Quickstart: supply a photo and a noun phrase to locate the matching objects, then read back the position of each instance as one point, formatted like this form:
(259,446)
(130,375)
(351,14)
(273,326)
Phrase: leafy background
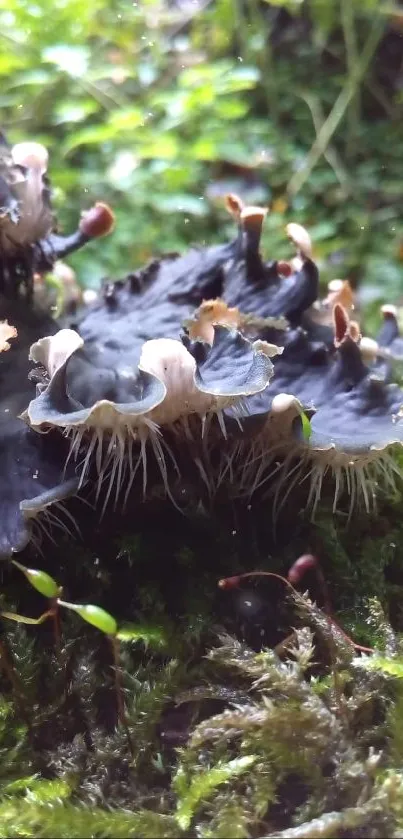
(161,106)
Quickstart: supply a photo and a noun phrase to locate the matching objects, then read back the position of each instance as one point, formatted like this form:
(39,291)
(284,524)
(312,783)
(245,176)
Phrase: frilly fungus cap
(123,379)
(25,198)
(355,416)
(123,382)
(32,468)
(96,397)
(28,243)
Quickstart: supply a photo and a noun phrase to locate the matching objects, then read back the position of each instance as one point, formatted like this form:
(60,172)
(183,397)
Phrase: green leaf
(306,426)
(13,616)
(190,796)
(92,135)
(69,59)
(179,203)
(152,636)
(126,119)
(40,580)
(74,111)
(389,666)
(159,145)
(94,615)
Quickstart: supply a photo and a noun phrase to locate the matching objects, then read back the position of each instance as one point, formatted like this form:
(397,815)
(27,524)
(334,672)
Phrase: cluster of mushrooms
(215,361)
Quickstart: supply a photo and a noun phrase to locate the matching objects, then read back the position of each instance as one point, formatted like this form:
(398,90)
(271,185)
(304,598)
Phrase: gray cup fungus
(217,353)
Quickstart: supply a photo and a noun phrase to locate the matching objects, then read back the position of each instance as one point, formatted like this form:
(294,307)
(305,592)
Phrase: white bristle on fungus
(360,475)
(290,463)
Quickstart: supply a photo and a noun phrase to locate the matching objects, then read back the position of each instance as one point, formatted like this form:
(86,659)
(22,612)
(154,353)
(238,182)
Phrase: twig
(339,108)
(330,154)
(119,690)
(348,24)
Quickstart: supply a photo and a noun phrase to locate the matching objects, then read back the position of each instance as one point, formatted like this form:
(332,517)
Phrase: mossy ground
(224,735)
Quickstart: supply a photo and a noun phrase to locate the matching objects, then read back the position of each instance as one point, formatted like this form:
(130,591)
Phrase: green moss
(223,735)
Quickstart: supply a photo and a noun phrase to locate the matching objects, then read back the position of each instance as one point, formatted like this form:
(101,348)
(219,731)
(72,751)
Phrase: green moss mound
(248,711)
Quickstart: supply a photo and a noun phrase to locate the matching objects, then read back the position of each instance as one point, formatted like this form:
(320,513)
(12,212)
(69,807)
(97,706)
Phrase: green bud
(94,615)
(40,580)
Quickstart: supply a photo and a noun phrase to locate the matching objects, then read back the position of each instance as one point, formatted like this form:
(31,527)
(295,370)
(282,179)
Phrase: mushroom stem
(252,219)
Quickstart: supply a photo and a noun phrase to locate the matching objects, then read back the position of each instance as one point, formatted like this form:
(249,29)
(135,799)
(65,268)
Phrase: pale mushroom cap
(389,309)
(53,351)
(300,238)
(335,285)
(369,349)
(283,402)
(31,155)
(6,333)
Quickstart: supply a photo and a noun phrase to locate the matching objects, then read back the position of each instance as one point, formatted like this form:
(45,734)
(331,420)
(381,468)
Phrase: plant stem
(353,114)
(330,154)
(55,614)
(7,665)
(339,108)
(119,689)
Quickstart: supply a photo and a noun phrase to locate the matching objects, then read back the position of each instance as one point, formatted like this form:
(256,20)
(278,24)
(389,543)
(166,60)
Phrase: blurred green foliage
(161,106)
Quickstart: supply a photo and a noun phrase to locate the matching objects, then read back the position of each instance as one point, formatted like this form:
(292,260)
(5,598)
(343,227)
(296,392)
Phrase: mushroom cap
(300,369)
(28,244)
(153,302)
(265,292)
(354,411)
(25,215)
(90,386)
(367,418)
(32,466)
